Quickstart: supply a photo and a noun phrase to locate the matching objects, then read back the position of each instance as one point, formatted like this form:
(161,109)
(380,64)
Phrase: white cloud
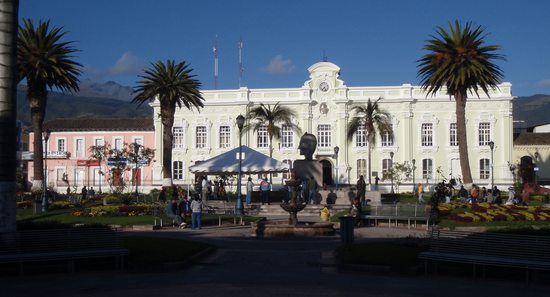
(545,83)
(128,63)
(279,65)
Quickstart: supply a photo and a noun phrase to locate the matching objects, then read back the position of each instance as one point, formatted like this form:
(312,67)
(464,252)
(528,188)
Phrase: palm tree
(374,120)
(271,119)
(46,63)
(8,87)
(460,61)
(173,85)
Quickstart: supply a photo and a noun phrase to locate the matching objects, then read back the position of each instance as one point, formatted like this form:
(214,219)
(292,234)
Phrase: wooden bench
(488,249)
(61,245)
(393,214)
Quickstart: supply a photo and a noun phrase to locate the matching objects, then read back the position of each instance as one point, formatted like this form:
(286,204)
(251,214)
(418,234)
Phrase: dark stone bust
(308,145)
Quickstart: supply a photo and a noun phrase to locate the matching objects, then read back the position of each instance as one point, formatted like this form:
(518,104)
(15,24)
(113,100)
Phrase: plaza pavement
(247,266)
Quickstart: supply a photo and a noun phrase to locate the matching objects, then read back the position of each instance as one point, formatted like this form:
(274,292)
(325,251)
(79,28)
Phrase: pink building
(69,161)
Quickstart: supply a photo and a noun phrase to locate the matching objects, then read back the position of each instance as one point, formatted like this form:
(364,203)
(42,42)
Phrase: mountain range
(109,99)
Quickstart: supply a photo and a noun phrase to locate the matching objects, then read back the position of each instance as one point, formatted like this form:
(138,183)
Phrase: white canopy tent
(228,163)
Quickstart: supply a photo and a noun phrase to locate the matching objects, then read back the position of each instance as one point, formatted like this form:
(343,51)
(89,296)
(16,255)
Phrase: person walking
(265,187)
(420,191)
(361,189)
(196,213)
(249,190)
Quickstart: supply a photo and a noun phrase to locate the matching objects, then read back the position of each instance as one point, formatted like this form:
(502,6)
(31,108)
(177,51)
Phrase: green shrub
(538,197)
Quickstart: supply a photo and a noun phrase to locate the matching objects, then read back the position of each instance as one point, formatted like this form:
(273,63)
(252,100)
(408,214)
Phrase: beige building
(424,130)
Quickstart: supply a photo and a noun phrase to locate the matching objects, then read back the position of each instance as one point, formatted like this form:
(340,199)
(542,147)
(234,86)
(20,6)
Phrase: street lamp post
(414,169)
(492,147)
(240,124)
(391,171)
(46,136)
(336,150)
(136,152)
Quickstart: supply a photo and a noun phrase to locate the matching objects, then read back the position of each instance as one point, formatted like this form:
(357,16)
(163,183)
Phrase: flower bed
(485,212)
(119,210)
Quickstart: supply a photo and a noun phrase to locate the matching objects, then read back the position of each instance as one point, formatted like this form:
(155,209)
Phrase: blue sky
(375,43)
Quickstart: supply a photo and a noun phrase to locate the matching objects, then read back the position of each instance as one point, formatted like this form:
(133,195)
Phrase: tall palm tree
(459,60)
(273,119)
(8,98)
(45,62)
(173,85)
(374,120)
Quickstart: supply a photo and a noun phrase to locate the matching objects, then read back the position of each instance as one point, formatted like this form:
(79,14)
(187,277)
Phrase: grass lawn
(63,216)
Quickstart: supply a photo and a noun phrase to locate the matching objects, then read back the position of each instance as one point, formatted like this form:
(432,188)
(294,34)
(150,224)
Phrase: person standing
(171,211)
(265,187)
(196,212)
(420,191)
(249,189)
(162,195)
(312,189)
(84,192)
(361,188)
(204,185)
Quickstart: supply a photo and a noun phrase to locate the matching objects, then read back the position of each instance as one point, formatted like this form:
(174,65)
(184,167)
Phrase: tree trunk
(370,153)
(8,87)
(37,119)
(270,155)
(167,123)
(461,137)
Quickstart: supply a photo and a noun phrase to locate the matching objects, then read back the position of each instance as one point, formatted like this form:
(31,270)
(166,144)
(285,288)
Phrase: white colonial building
(424,130)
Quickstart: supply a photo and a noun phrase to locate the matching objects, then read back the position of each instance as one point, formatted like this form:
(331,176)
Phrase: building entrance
(327,172)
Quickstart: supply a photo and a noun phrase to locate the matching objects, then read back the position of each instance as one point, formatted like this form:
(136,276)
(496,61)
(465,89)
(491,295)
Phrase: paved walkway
(246,266)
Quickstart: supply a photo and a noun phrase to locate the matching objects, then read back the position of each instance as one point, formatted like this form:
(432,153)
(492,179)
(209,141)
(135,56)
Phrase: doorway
(327,172)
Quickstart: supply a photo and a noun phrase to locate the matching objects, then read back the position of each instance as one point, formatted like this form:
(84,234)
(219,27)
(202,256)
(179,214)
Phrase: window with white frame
(361,168)
(97,177)
(427,168)
(324,136)
(484,134)
(61,145)
(426,134)
(177,170)
(118,144)
(59,173)
(386,167)
(453,140)
(201,137)
(178,137)
(99,142)
(361,136)
(225,137)
(138,140)
(262,139)
(286,174)
(287,137)
(387,137)
(79,147)
(484,169)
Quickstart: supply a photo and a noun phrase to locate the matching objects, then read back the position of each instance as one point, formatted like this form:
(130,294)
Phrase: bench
(488,249)
(61,245)
(393,214)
